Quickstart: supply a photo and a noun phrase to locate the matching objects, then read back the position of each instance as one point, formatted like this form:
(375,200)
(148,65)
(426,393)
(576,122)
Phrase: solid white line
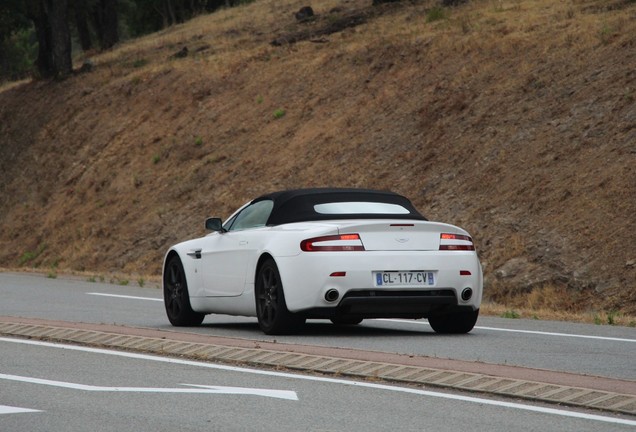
(524,331)
(558,334)
(512,405)
(4,409)
(125,296)
(280,394)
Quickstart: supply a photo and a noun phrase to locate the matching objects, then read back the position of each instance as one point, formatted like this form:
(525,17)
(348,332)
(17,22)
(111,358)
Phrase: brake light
(456,242)
(334,243)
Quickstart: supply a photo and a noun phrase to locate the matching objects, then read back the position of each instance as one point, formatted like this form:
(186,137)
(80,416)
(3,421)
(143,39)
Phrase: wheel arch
(171,253)
(187,265)
(264,257)
(176,295)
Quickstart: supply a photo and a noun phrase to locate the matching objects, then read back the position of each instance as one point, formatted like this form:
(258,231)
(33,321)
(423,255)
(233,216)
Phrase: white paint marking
(4,409)
(125,296)
(426,323)
(558,334)
(199,389)
(524,331)
(511,405)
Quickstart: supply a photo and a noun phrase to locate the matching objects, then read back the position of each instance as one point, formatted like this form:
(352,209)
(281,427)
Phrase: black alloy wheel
(176,297)
(454,323)
(271,309)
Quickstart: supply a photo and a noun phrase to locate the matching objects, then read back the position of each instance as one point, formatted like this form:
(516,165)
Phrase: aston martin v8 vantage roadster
(339,254)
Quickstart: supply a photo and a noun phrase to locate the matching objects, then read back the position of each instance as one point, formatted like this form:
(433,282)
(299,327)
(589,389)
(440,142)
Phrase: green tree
(47,25)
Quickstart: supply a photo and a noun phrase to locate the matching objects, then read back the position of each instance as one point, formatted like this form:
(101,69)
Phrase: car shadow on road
(320,328)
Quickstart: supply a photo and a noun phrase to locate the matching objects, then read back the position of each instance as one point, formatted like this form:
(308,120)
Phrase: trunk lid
(392,235)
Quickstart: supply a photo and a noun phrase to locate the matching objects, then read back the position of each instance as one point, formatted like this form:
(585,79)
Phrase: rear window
(359,207)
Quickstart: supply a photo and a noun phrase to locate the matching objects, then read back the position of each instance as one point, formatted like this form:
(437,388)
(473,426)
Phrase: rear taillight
(339,243)
(456,242)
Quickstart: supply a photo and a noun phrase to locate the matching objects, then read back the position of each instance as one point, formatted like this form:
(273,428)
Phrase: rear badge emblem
(402,240)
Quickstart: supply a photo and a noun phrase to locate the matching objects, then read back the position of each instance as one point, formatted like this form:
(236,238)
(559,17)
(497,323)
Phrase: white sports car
(338,254)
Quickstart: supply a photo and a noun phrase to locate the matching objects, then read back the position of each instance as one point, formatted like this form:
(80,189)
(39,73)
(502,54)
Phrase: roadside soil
(513,119)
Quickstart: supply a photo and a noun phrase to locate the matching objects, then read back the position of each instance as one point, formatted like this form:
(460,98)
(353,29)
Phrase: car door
(225,255)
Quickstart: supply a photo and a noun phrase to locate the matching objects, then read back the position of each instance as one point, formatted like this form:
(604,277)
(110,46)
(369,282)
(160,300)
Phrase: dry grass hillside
(514,119)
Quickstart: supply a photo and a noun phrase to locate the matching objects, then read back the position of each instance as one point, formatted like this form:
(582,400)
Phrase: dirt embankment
(515,120)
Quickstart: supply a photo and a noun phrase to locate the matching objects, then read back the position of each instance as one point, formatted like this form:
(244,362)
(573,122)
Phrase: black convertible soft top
(298,205)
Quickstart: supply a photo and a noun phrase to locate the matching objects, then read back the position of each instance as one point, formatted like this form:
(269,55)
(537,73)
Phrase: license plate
(403,278)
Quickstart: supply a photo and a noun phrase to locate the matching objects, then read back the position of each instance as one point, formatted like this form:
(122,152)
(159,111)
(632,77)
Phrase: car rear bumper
(307,278)
(368,304)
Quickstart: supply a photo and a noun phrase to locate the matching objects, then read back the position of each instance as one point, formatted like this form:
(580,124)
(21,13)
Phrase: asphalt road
(52,387)
(584,349)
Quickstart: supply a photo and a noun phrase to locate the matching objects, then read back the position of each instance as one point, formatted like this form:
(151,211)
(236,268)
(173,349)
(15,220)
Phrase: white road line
(524,331)
(4,409)
(605,338)
(558,334)
(125,296)
(198,389)
(470,399)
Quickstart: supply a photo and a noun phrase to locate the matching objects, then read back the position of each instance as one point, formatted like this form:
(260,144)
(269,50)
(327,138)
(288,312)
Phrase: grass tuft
(139,63)
(437,13)
(512,314)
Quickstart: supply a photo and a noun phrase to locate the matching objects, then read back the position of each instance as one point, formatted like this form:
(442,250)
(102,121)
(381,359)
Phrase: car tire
(346,320)
(176,297)
(273,316)
(454,323)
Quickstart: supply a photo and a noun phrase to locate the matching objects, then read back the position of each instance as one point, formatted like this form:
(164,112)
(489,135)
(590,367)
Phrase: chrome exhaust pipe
(467,293)
(332,295)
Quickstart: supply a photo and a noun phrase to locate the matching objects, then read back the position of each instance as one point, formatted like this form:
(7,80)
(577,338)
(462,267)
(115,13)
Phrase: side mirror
(214,224)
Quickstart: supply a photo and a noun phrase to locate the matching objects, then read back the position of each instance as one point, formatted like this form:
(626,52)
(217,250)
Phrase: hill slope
(513,119)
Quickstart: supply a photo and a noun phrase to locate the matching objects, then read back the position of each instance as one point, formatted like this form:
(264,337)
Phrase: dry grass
(8,85)
(589,317)
(513,119)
